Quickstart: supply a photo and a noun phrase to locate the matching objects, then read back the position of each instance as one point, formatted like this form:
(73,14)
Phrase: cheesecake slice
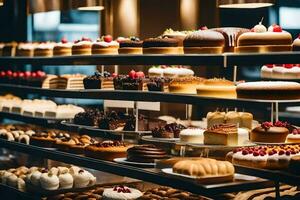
(222,134)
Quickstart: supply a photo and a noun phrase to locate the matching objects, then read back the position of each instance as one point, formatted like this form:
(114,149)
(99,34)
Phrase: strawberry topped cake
(266,157)
(64,48)
(294,136)
(105,45)
(82,47)
(269,132)
(261,39)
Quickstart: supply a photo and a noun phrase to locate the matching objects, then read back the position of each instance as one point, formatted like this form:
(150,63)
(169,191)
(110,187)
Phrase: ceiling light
(91,8)
(88,5)
(245,3)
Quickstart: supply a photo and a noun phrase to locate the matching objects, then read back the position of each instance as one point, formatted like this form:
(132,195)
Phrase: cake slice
(222,134)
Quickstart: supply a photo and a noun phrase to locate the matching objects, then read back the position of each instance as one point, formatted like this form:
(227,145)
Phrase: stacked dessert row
(204,40)
(39,108)
(55,178)
(283,72)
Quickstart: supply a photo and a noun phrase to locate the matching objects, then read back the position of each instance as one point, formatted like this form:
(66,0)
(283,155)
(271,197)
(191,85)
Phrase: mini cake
(294,165)
(170,71)
(160,84)
(268,132)
(99,81)
(284,72)
(209,170)
(9,49)
(192,135)
(231,35)
(168,131)
(44,49)
(204,41)
(64,48)
(134,81)
(222,134)
(107,150)
(187,85)
(161,46)
(105,45)
(179,35)
(265,157)
(121,193)
(294,136)
(82,47)
(132,45)
(296,44)
(145,153)
(67,81)
(219,88)
(88,118)
(274,90)
(25,49)
(83,178)
(262,40)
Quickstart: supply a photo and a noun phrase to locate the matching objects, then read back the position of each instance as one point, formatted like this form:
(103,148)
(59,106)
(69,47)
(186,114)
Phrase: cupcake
(83,179)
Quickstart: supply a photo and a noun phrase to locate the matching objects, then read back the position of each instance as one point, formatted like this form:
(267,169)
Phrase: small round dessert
(132,45)
(44,49)
(82,47)
(268,132)
(107,150)
(204,41)
(192,135)
(25,49)
(220,88)
(145,153)
(105,45)
(42,139)
(296,44)
(272,90)
(260,40)
(121,193)
(294,136)
(294,165)
(64,48)
(161,46)
(187,85)
(49,181)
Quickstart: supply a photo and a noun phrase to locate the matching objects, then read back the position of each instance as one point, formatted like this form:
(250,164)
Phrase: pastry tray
(96,132)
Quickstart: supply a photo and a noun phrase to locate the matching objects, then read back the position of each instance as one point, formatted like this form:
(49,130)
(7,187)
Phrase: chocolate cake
(160,42)
(204,38)
(158,84)
(88,118)
(168,131)
(131,42)
(97,81)
(145,153)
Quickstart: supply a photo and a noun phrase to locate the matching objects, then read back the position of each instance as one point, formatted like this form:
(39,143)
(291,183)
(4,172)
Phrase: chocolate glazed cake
(161,46)
(145,153)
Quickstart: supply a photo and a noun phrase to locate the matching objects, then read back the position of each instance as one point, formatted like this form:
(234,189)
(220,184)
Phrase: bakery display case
(169,115)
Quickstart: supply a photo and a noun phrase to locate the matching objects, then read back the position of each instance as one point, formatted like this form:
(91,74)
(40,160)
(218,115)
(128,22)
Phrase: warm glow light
(91,8)
(188,14)
(128,17)
(246,5)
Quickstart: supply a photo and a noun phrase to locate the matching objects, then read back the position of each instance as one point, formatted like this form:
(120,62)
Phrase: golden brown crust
(43,52)
(62,51)
(271,135)
(130,50)
(96,49)
(163,50)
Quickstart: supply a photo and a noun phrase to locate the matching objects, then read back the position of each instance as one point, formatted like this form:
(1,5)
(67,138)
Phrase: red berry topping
(266,125)
(40,73)
(270,65)
(288,66)
(15,74)
(27,74)
(86,39)
(271,153)
(252,30)
(295,132)
(281,124)
(250,151)
(132,74)
(274,151)
(293,152)
(277,28)
(9,73)
(203,28)
(107,38)
(235,151)
(139,74)
(33,74)
(287,153)
(281,152)
(21,74)
(255,153)
(2,73)
(114,75)
(64,40)
(244,152)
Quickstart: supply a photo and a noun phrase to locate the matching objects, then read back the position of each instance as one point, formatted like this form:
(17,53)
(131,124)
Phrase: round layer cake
(145,153)
(185,85)
(217,88)
(268,132)
(105,45)
(25,49)
(82,47)
(44,49)
(273,90)
(204,41)
(107,150)
(192,135)
(132,45)
(263,40)
(161,46)
(294,136)
(64,48)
